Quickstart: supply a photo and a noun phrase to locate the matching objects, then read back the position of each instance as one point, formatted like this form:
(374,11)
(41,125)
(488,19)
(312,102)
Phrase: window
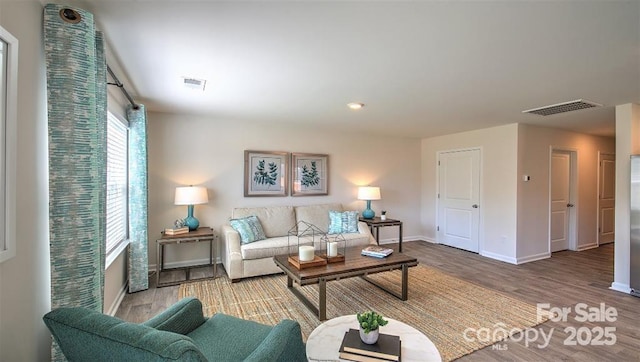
(8,124)
(117,186)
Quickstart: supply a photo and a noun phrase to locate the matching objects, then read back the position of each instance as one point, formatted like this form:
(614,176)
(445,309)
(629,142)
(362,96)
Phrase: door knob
(569,205)
(475,206)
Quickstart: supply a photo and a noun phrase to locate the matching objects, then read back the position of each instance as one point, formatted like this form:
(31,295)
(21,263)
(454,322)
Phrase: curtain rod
(119,84)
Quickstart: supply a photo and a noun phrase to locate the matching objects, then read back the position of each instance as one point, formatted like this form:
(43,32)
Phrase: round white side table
(324,342)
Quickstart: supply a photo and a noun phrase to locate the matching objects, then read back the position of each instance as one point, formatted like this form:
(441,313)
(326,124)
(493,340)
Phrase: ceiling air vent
(563,107)
(194,83)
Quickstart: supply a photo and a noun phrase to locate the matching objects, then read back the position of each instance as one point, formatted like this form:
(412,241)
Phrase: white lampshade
(191,195)
(368,193)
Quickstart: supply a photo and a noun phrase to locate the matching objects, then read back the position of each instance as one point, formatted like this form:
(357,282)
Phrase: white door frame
(573,189)
(480,193)
(600,154)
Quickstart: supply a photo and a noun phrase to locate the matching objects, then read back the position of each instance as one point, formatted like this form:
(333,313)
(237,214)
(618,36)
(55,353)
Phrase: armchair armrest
(87,335)
(182,317)
(283,343)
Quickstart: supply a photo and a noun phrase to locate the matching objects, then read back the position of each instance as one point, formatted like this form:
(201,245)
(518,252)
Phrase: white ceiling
(422,68)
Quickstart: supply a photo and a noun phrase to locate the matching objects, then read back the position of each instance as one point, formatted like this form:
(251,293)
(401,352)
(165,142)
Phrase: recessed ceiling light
(194,83)
(355,105)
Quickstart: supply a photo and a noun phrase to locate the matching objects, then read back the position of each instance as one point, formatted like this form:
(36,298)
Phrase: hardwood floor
(564,280)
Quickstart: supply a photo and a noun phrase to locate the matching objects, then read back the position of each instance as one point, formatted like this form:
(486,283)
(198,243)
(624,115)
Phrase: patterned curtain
(138,255)
(76,97)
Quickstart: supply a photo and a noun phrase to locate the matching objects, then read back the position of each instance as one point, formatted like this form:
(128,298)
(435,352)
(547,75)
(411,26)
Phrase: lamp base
(191,221)
(368,214)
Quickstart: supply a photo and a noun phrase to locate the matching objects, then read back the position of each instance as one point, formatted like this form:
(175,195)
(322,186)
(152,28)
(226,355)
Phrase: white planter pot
(371,337)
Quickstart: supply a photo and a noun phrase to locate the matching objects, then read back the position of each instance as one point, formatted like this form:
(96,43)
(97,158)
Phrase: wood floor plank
(564,280)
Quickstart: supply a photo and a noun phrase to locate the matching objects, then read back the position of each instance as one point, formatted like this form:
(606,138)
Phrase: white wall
(534,147)
(627,144)
(25,279)
(185,150)
(514,222)
(497,186)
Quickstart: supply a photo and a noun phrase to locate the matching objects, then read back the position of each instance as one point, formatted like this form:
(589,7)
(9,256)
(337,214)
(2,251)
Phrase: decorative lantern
(333,247)
(302,240)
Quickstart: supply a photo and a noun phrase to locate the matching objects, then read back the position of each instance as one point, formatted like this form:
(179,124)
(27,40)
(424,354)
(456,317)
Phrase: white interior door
(606,199)
(560,200)
(458,199)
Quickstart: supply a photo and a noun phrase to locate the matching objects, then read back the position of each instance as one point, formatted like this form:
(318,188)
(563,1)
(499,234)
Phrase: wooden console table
(201,234)
(376,223)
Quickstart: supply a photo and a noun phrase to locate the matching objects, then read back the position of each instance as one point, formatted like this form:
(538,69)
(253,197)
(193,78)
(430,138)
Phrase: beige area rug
(440,306)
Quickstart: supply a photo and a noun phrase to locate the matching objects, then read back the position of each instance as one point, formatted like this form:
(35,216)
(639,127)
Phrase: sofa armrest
(363,228)
(182,317)
(283,343)
(232,255)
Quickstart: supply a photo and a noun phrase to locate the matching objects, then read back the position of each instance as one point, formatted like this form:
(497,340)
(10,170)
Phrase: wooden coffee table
(355,265)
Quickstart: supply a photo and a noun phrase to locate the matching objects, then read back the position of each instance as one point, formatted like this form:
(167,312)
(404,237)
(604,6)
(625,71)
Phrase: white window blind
(3,102)
(8,131)
(117,223)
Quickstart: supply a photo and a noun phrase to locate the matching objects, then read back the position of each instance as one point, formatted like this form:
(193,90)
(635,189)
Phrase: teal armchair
(180,333)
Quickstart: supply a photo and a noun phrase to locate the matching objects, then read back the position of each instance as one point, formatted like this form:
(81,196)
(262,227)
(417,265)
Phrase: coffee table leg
(404,292)
(321,310)
(322,300)
(405,282)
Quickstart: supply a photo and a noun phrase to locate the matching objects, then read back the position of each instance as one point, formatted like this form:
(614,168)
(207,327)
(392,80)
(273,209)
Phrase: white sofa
(256,258)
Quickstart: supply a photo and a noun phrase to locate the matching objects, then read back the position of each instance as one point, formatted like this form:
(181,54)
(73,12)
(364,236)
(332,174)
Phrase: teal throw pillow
(343,222)
(249,228)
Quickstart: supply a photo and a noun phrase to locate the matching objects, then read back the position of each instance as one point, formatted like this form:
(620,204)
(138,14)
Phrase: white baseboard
(530,258)
(506,259)
(404,239)
(587,247)
(619,287)
(116,303)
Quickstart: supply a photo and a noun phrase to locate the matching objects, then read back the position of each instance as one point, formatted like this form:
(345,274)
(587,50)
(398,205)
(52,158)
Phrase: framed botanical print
(309,174)
(265,173)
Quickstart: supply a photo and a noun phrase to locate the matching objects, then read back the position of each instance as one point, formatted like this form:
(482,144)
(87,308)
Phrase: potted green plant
(383,215)
(369,326)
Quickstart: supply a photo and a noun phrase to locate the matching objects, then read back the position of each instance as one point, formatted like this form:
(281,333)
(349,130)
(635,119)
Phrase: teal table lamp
(368,193)
(191,195)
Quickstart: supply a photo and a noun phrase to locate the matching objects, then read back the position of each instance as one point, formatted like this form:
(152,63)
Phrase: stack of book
(386,349)
(176,231)
(376,251)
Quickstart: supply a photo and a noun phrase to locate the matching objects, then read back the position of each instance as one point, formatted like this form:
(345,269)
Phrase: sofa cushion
(249,228)
(317,215)
(354,239)
(276,220)
(273,246)
(343,222)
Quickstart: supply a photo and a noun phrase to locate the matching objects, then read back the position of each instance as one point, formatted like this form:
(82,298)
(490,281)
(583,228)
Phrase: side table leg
(378,235)
(289,282)
(322,300)
(158,263)
(400,238)
(213,257)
